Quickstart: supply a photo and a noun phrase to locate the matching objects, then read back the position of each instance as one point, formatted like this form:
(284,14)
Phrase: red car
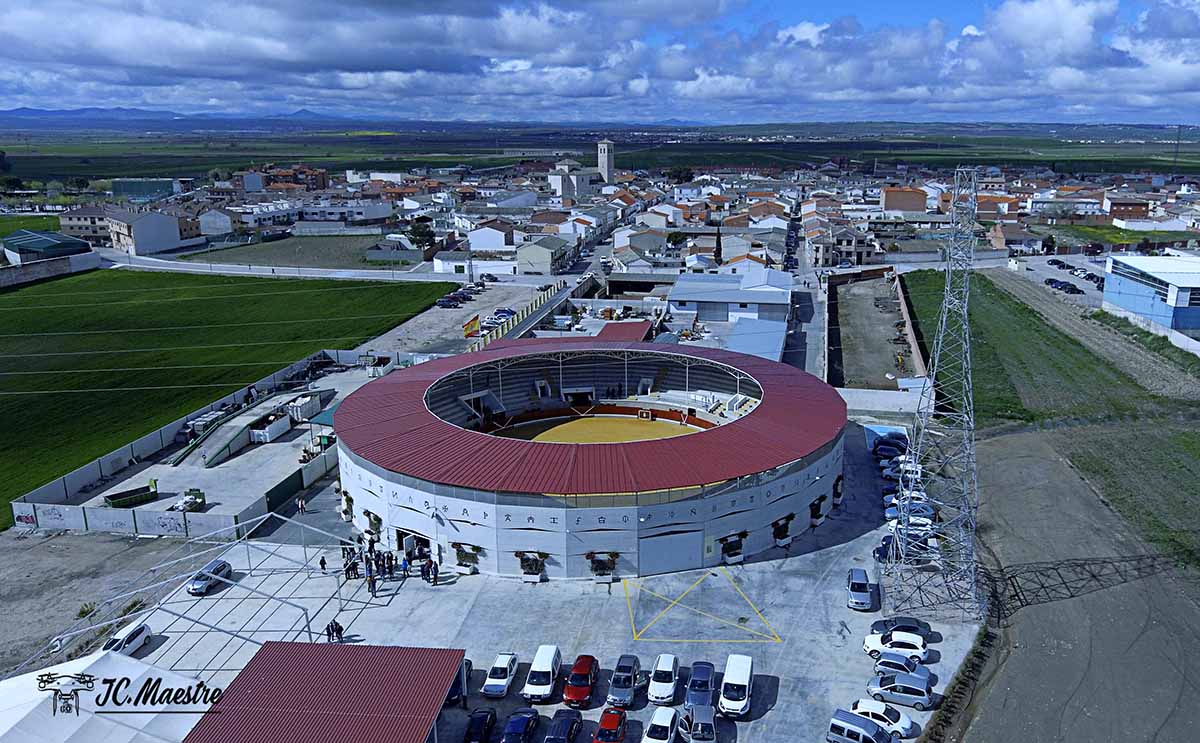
(581,681)
(612,726)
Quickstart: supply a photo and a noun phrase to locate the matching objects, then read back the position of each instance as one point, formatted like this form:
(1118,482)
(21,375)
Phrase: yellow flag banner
(471,328)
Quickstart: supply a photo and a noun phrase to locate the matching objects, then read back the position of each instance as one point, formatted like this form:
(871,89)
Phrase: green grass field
(342,251)
(1116,236)
(10,224)
(1024,369)
(94,361)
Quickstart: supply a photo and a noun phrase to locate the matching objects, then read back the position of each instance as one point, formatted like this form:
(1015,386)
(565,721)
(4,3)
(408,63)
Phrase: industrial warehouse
(566,458)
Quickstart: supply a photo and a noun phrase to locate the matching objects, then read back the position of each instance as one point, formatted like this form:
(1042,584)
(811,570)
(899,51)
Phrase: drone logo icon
(65,688)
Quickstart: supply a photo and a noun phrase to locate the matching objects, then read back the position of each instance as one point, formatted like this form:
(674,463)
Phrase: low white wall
(56,516)
(160,523)
(1179,340)
(118,520)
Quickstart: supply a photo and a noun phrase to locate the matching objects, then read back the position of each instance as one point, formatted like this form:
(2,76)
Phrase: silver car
(209,577)
(901,688)
(698,724)
(858,590)
(889,662)
(626,679)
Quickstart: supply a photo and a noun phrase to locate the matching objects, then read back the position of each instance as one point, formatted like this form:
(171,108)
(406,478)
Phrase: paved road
(116,258)
(1038,269)
(1103,637)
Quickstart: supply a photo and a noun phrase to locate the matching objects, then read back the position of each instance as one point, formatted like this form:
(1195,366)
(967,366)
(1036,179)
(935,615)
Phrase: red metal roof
(303,692)
(386,422)
(624,331)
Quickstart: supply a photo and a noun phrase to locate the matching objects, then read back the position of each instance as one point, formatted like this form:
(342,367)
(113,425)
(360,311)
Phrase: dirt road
(1156,374)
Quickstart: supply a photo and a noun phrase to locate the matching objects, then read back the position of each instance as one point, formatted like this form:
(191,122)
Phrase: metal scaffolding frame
(931,566)
(180,567)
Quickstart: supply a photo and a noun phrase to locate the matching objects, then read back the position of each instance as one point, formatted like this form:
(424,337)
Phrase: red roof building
(299,692)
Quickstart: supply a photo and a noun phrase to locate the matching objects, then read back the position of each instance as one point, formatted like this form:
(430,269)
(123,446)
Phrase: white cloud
(805,31)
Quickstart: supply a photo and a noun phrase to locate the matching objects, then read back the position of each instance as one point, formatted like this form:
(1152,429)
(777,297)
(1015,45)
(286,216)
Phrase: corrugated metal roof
(624,331)
(387,423)
(315,693)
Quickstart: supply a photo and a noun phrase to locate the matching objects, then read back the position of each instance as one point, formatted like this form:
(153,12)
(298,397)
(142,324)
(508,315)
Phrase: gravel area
(438,330)
(1156,374)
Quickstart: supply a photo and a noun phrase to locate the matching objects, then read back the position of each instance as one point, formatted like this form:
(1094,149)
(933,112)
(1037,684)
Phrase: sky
(711,61)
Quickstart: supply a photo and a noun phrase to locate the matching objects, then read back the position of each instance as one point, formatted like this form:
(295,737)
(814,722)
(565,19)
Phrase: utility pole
(931,566)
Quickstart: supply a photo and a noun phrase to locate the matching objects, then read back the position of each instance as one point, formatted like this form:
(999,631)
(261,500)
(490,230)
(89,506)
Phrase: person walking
(404,568)
(371,584)
(433,571)
(329,631)
(322,563)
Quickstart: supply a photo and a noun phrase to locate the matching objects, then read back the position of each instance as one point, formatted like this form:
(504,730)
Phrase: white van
(543,674)
(736,686)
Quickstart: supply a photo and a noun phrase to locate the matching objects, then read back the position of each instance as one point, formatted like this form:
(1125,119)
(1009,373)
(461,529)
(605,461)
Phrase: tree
(1049,244)
(680,174)
(675,238)
(100,185)
(11,183)
(77,183)
(718,258)
(5,164)
(421,233)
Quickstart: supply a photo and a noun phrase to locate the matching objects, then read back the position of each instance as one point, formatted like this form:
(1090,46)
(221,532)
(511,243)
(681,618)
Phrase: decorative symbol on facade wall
(507,517)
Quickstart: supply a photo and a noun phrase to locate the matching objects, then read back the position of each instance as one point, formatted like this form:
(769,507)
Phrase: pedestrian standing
(329,632)
(433,571)
(322,563)
(425,571)
(404,567)
(371,583)
(338,630)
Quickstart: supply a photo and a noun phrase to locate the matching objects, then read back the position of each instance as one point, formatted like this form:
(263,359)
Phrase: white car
(915,509)
(915,524)
(914,496)
(664,679)
(896,461)
(885,716)
(662,726)
(500,676)
(128,640)
(909,645)
(909,470)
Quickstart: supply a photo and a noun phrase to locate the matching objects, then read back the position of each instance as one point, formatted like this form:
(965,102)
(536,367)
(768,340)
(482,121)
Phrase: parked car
(890,662)
(581,681)
(543,674)
(908,470)
(847,727)
(737,686)
(504,312)
(613,724)
(129,639)
(662,726)
(900,688)
(480,724)
(564,726)
(489,277)
(700,685)
(909,645)
(448,304)
(458,689)
(911,625)
(500,676)
(664,678)
(888,449)
(1050,282)
(885,716)
(914,496)
(1072,289)
(1054,262)
(698,724)
(918,524)
(521,726)
(623,686)
(209,577)
(915,508)
(845,264)
(858,590)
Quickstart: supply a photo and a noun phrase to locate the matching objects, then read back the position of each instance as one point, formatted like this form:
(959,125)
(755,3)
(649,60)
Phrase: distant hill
(110,114)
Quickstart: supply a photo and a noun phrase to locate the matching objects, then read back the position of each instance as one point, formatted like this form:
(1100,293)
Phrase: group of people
(378,565)
(334,631)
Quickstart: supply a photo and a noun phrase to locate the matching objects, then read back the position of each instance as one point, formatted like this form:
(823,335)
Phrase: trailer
(134,497)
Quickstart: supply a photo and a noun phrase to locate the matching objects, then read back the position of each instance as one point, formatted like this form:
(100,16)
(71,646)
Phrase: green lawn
(341,251)
(1024,369)
(10,224)
(76,349)
(1117,236)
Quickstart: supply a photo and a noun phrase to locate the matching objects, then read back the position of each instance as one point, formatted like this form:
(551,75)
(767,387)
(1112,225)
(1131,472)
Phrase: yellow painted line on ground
(711,642)
(714,617)
(629,604)
(738,588)
(659,616)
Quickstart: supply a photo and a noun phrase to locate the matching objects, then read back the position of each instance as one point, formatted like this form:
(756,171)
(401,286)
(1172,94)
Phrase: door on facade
(671,552)
(712,312)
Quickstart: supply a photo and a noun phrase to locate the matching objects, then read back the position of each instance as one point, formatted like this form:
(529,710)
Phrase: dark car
(489,277)
(1055,262)
(1072,289)
(701,685)
(1050,282)
(886,451)
(445,303)
(480,724)
(900,624)
(521,725)
(564,726)
(458,689)
(613,724)
(581,681)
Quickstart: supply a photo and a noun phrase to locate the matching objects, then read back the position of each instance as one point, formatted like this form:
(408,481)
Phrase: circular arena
(577,457)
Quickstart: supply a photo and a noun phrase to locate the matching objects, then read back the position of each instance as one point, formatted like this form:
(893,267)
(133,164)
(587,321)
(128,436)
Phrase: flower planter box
(785,542)
(466,569)
(837,499)
(604,578)
(732,559)
(817,521)
(531,578)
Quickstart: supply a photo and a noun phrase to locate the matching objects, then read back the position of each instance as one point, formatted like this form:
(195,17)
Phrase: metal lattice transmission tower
(931,566)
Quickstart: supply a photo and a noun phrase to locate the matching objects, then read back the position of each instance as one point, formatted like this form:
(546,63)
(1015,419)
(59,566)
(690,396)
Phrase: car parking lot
(1038,270)
(787,615)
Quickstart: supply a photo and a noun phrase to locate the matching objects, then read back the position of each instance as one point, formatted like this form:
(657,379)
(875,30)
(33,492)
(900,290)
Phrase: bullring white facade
(409,472)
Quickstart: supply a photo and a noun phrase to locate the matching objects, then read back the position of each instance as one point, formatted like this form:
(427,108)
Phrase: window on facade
(743,305)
